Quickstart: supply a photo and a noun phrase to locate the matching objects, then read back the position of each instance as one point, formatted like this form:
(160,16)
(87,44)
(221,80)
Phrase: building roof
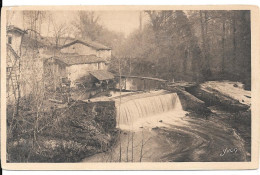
(92,44)
(12,28)
(51,41)
(139,77)
(71,59)
(102,75)
(61,41)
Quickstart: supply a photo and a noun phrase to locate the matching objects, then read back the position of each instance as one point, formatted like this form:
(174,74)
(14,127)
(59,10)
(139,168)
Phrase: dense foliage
(189,46)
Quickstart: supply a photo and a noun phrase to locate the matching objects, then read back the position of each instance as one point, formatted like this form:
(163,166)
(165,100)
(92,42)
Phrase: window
(9,40)
(98,65)
(8,69)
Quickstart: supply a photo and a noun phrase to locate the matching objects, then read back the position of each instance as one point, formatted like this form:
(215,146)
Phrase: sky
(119,21)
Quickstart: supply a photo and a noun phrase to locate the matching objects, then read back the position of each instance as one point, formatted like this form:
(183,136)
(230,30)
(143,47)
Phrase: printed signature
(228,150)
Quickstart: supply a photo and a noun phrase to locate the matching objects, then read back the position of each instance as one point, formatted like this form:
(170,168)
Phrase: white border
(132,2)
(129,2)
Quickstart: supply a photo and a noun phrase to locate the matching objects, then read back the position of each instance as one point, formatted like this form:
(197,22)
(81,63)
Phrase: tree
(87,25)
(60,31)
(205,45)
(191,46)
(167,44)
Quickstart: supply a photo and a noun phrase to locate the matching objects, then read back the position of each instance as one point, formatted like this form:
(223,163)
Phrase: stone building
(76,60)
(36,63)
(13,61)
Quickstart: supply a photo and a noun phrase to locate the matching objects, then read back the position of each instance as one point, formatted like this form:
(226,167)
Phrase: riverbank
(66,134)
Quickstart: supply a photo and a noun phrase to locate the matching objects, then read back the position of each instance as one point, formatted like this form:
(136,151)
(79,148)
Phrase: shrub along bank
(67,134)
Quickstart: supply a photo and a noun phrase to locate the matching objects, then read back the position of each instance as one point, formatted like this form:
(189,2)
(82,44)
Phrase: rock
(160,121)
(155,128)
(235,85)
(213,97)
(190,102)
(56,101)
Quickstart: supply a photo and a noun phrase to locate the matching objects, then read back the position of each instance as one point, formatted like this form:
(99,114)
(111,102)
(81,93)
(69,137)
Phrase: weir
(140,107)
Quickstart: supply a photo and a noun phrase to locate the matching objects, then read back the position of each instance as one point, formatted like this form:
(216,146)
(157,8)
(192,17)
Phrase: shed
(102,75)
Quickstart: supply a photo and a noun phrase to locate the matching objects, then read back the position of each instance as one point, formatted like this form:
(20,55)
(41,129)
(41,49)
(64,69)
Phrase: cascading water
(148,108)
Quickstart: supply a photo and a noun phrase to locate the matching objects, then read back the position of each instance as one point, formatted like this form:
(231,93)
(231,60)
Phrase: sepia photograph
(135,86)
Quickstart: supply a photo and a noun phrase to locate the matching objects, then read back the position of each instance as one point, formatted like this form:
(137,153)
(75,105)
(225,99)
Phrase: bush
(64,134)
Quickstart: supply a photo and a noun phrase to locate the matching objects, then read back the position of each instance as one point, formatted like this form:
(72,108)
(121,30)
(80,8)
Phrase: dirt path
(180,139)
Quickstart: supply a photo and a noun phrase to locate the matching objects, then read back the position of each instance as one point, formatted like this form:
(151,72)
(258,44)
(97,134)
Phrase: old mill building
(31,56)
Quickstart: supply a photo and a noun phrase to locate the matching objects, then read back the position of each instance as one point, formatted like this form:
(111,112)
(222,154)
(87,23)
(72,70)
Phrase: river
(170,134)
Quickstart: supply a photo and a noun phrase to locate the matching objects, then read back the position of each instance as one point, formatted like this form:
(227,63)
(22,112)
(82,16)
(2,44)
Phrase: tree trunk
(205,64)
(234,41)
(223,47)
(202,34)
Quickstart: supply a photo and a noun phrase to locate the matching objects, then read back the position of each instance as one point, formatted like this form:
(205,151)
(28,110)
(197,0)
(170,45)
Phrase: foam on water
(144,111)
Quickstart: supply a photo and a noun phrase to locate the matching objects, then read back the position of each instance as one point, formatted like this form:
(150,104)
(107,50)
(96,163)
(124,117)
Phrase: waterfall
(142,107)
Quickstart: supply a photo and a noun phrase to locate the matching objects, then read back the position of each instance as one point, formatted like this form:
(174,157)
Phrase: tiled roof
(102,75)
(92,44)
(71,59)
(41,41)
(61,41)
(12,28)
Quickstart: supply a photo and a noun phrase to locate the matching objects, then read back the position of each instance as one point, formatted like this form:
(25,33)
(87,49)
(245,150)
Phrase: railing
(147,78)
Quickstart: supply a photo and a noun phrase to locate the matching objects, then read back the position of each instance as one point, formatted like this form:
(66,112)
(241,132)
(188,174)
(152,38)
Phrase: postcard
(130,87)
